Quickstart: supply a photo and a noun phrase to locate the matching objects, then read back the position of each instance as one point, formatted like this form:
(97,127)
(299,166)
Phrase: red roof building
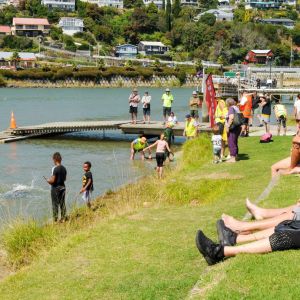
(258,56)
(30,26)
(5,30)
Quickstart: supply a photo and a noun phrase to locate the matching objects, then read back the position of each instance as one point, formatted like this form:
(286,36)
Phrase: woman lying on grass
(291,164)
(262,236)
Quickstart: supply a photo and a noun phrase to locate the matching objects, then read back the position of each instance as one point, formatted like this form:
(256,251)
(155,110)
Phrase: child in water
(87,184)
(217,144)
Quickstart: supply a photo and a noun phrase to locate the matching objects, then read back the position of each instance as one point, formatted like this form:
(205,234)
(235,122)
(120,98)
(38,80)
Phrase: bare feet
(231,160)
(253,210)
(231,222)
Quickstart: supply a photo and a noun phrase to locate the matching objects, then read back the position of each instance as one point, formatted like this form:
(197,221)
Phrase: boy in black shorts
(87,184)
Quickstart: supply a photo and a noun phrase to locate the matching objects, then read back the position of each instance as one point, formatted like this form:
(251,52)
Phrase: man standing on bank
(167,99)
(58,189)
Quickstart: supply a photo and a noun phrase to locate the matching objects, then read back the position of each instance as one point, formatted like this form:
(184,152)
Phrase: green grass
(139,244)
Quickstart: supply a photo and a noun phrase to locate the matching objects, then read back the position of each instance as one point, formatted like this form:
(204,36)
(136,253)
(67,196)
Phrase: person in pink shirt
(161,147)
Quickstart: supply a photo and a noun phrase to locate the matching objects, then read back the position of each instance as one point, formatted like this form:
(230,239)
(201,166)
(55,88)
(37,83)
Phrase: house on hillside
(68,5)
(263,4)
(26,60)
(30,26)
(152,48)
(220,14)
(288,23)
(112,3)
(5,30)
(193,3)
(223,3)
(258,56)
(126,50)
(71,26)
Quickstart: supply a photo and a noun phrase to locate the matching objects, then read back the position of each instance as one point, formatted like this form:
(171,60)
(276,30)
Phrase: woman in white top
(146,99)
(161,147)
(172,118)
(297,111)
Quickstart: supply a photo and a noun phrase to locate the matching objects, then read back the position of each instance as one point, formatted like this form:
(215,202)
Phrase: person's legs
(55,203)
(62,204)
(261,246)
(144,115)
(280,165)
(134,117)
(132,153)
(148,115)
(256,236)
(142,155)
(260,213)
(243,226)
(164,114)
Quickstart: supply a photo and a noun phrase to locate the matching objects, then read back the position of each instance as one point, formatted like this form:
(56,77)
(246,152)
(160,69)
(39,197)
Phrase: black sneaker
(212,252)
(227,237)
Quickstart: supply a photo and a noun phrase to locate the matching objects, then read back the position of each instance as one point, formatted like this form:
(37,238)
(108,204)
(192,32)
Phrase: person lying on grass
(291,164)
(261,236)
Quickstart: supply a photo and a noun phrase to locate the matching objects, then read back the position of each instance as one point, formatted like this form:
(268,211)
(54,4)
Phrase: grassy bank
(139,243)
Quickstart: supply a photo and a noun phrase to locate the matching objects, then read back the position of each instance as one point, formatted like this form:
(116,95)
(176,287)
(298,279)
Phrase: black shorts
(194,113)
(282,120)
(160,158)
(166,111)
(146,111)
(284,240)
(246,121)
(133,110)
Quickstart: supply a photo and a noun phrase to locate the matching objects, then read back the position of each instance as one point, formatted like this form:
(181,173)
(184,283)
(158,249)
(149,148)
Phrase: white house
(112,3)
(220,14)
(68,5)
(126,50)
(159,3)
(71,26)
(152,48)
(189,2)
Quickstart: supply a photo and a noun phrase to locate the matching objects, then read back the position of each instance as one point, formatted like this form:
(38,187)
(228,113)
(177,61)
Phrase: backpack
(237,121)
(266,138)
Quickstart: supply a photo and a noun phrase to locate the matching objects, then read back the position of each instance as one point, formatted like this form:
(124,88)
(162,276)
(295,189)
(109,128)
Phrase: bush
(23,241)
(2,81)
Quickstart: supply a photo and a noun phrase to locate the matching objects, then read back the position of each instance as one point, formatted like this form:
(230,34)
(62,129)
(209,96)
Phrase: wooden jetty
(155,128)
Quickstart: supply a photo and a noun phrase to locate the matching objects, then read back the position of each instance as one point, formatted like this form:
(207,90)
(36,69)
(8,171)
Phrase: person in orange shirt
(245,106)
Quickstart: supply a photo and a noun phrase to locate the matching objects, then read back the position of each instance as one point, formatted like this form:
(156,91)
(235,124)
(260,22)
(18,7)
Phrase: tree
(133,3)
(15,58)
(176,8)
(56,33)
(168,15)
(207,4)
(208,19)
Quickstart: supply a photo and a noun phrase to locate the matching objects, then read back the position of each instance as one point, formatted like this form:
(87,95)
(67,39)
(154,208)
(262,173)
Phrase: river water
(23,191)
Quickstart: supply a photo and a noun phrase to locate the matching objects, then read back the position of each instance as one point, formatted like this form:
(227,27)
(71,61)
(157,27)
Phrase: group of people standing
(134,100)
(234,118)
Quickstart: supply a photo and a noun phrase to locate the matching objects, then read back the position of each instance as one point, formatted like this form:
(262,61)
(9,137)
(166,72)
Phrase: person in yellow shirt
(167,99)
(281,116)
(191,127)
(220,118)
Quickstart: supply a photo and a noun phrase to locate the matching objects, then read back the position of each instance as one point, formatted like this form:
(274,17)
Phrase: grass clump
(23,241)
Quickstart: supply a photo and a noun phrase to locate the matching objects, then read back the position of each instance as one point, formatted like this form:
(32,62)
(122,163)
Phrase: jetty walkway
(155,128)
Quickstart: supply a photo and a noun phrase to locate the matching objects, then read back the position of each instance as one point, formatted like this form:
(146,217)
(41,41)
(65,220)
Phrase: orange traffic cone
(13,124)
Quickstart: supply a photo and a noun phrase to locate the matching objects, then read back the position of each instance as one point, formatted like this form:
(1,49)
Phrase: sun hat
(135,90)
(187,116)
(194,93)
(167,90)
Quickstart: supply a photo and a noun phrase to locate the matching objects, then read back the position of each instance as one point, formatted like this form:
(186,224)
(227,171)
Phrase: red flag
(210,98)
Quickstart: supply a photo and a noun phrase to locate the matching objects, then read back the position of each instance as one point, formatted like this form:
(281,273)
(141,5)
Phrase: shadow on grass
(243,156)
